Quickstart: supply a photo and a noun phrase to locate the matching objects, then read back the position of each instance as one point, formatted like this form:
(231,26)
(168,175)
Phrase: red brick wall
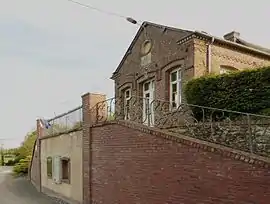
(131,166)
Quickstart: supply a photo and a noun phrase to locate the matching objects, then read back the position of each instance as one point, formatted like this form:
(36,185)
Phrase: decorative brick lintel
(196,143)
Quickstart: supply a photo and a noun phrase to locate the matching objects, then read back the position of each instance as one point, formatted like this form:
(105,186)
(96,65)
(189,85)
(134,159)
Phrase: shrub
(21,168)
(10,163)
(245,91)
(18,158)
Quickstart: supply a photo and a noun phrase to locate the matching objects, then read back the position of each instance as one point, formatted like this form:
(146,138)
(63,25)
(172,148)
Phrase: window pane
(173,76)
(174,88)
(174,97)
(174,100)
(146,86)
(127,94)
(65,169)
(180,92)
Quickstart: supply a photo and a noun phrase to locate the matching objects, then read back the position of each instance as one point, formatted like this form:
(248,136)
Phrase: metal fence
(242,131)
(64,122)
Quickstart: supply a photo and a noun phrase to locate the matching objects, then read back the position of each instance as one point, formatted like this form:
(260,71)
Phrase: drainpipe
(209,55)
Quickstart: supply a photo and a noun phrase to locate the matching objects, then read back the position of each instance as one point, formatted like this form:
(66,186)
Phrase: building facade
(160,60)
(61,166)
(121,161)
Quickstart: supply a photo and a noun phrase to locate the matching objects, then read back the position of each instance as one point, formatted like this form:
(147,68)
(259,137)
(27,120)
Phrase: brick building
(160,59)
(126,161)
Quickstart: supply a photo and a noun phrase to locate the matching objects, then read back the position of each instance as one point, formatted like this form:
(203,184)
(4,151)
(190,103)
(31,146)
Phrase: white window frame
(56,169)
(126,102)
(178,83)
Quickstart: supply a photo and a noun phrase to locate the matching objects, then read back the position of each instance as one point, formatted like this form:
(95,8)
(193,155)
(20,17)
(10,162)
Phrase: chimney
(232,36)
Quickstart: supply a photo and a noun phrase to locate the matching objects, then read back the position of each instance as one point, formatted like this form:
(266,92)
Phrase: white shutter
(57,169)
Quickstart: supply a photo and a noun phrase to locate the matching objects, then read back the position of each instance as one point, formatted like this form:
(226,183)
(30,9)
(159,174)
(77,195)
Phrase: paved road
(19,190)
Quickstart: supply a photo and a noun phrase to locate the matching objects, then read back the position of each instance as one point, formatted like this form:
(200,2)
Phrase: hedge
(244,91)
(21,167)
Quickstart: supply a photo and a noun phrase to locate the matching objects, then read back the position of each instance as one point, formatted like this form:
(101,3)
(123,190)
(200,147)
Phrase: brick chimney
(232,36)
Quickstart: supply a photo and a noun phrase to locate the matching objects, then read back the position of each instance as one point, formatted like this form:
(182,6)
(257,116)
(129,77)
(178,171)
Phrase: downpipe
(209,55)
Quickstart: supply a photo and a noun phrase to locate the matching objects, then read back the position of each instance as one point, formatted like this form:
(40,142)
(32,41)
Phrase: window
(175,88)
(227,69)
(65,164)
(49,167)
(146,47)
(127,97)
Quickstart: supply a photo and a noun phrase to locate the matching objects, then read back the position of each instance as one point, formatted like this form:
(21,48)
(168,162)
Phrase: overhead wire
(131,20)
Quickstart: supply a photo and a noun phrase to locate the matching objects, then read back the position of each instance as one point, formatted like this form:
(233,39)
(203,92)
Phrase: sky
(53,51)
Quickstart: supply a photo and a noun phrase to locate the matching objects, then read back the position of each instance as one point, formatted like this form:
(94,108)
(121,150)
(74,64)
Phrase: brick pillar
(89,100)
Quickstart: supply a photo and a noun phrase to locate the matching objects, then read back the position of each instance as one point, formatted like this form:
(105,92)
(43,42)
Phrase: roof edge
(198,33)
(143,25)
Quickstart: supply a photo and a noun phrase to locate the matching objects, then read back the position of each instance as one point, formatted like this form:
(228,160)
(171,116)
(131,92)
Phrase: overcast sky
(53,51)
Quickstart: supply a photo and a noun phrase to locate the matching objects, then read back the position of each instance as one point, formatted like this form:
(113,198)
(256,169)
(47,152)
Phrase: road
(19,190)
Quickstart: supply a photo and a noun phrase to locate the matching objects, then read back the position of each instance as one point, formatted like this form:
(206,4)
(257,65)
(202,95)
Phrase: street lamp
(132,20)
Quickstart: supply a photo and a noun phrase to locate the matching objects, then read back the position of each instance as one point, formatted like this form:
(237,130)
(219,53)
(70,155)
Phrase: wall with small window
(61,166)
(224,69)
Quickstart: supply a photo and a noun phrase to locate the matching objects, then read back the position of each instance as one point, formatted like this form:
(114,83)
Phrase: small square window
(65,163)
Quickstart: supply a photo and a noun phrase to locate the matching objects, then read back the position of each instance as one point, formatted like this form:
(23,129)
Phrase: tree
(23,153)
(27,145)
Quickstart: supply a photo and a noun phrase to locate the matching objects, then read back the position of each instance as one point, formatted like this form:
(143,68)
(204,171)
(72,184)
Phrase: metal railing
(242,131)
(64,122)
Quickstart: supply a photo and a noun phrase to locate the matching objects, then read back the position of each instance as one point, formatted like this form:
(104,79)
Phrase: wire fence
(243,131)
(65,122)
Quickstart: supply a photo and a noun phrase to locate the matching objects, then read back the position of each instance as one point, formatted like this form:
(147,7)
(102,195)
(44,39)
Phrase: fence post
(89,100)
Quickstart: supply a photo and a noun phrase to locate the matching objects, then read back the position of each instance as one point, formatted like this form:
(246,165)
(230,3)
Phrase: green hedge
(246,91)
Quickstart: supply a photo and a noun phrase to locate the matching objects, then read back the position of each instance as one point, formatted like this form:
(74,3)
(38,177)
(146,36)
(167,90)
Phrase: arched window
(224,69)
(127,98)
(175,88)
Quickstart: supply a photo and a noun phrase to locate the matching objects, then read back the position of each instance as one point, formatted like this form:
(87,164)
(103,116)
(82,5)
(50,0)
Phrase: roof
(239,42)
